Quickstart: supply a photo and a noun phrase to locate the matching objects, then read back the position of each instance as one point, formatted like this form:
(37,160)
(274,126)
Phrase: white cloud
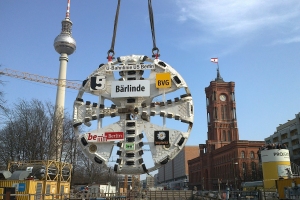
(288,40)
(238,17)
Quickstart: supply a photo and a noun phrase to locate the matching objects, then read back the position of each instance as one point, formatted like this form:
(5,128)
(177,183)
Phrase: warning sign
(163,80)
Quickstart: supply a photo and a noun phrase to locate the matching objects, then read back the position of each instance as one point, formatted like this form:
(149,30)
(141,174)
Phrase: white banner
(275,155)
(129,67)
(140,88)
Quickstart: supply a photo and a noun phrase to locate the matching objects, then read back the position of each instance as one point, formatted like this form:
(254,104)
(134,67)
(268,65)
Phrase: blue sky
(257,43)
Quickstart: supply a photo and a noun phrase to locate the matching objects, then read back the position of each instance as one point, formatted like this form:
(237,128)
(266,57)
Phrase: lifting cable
(155,50)
(111,52)
(154,54)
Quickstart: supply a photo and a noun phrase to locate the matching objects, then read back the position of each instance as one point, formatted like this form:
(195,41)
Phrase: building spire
(219,78)
(68,10)
(64,42)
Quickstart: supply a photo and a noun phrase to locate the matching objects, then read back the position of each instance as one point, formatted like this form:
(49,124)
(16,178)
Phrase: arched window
(253,166)
(244,170)
(251,154)
(222,112)
(215,113)
(253,170)
(208,118)
(224,136)
(242,154)
(233,114)
(229,136)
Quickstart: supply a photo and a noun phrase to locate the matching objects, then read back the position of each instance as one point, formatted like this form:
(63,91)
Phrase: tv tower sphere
(64,42)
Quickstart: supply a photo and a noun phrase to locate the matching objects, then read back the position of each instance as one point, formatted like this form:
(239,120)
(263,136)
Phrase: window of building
(223,112)
(251,154)
(233,114)
(294,142)
(295,152)
(284,136)
(208,118)
(216,113)
(244,169)
(253,165)
(294,132)
(253,170)
(224,136)
(242,154)
(229,136)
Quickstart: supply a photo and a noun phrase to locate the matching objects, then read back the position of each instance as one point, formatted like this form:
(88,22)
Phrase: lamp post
(234,163)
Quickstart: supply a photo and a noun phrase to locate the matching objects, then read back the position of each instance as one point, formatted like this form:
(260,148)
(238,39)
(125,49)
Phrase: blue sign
(21,187)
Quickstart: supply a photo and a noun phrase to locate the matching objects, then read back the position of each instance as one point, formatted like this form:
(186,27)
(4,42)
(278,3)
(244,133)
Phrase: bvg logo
(163,80)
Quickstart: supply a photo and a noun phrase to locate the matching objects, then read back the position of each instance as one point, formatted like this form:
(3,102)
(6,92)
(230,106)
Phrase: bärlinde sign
(139,88)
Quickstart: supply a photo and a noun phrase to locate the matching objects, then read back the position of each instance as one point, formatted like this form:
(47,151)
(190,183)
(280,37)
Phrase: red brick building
(224,159)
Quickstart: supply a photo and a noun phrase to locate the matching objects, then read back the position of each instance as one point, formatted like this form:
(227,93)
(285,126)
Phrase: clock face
(222,97)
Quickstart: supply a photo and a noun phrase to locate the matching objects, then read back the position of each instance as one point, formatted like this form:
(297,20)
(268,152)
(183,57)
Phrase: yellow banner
(163,80)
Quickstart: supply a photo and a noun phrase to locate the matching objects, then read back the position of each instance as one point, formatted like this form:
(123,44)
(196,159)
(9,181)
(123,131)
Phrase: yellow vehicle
(252,186)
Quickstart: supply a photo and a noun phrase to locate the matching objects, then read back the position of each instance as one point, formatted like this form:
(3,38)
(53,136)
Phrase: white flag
(214,60)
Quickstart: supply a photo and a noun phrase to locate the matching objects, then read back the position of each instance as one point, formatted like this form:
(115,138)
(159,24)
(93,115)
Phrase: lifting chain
(111,51)
(155,50)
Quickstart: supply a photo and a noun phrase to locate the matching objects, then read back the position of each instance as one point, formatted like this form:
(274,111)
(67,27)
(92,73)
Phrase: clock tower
(221,113)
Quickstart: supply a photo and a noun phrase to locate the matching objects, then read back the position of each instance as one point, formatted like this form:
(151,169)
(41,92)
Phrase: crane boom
(38,78)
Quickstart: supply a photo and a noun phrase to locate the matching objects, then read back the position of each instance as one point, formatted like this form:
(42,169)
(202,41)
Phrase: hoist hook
(110,55)
(155,54)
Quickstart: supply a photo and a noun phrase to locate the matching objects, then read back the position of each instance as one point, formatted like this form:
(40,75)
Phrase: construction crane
(67,84)
(39,78)
(43,79)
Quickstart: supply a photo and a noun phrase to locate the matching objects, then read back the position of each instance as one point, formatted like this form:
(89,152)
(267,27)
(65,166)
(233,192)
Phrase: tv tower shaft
(65,45)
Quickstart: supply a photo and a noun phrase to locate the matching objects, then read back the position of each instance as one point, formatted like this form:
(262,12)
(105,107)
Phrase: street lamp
(234,163)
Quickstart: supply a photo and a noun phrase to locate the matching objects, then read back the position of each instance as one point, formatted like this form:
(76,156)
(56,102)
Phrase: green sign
(129,146)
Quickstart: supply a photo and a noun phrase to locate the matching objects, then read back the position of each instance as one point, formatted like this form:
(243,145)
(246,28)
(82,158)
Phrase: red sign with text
(114,135)
(108,136)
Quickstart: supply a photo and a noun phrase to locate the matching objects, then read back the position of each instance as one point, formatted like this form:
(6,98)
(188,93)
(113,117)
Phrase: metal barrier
(34,196)
(150,195)
(239,195)
(169,194)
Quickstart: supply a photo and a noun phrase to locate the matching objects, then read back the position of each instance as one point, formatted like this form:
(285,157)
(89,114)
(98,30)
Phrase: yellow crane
(68,84)
(39,78)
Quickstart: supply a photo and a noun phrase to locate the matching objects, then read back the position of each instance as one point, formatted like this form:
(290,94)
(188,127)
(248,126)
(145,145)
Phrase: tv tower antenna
(65,45)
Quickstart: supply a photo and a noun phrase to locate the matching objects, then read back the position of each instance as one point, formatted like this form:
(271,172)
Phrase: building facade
(221,113)
(224,159)
(175,174)
(288,134)
(149,182)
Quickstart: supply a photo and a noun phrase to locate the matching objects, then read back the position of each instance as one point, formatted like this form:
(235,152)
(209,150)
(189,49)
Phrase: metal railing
(130,195)
(35,196)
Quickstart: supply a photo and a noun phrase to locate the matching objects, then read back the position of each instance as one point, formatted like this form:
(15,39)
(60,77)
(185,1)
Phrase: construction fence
(150,195)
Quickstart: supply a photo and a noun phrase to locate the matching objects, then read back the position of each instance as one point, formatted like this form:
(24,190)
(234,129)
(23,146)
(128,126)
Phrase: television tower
(65,45)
